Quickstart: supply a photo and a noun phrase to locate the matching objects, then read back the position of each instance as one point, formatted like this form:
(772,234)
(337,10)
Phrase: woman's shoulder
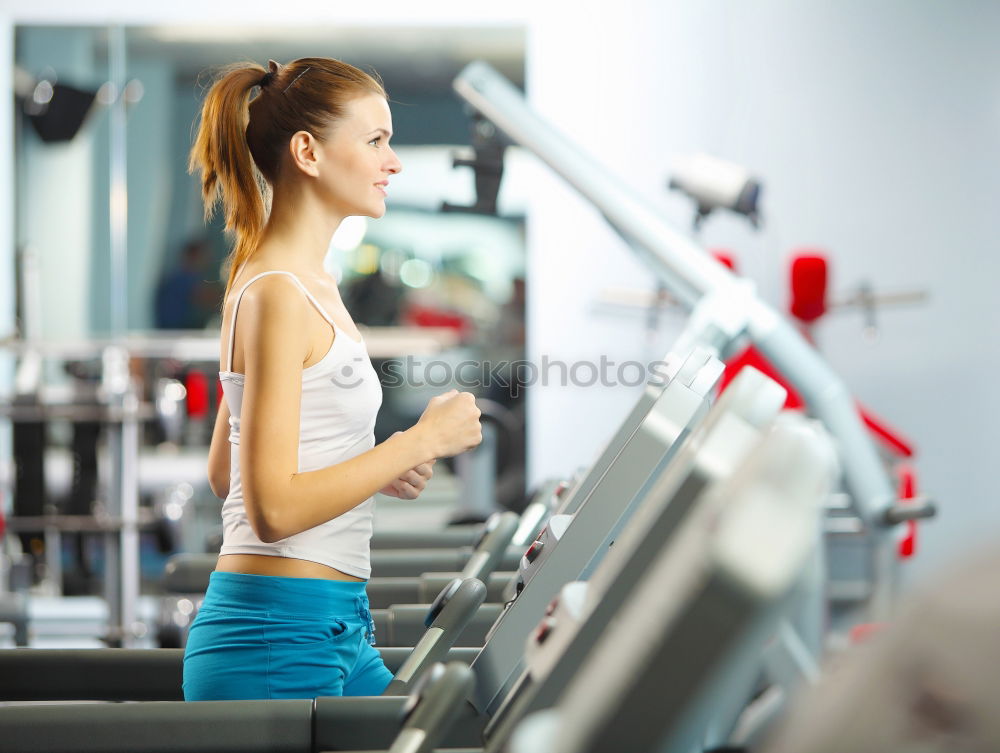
(273,314)
(262,285)
(274,299)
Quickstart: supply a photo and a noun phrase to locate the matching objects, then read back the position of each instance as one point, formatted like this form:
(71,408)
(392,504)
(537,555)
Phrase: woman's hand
(450,424)
(411,483)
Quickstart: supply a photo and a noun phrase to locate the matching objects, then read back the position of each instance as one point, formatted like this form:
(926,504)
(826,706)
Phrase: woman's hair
(240,141)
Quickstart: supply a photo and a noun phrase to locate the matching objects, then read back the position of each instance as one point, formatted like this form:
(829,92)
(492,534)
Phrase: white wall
(876,129)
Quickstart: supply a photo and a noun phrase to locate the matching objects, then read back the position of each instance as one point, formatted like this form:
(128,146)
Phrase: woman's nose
(394,165)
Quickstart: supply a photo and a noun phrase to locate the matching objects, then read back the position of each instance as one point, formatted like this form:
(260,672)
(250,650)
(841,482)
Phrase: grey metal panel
(394,656)
(91,674)
(700,616)
(386,592)
(403,563)
(703,639)
(665,504)
(588,537)
(582,491)
(122,674)
(188,573)
(403,625)
(453,536)
(395,563)
(372,723)
(159,727)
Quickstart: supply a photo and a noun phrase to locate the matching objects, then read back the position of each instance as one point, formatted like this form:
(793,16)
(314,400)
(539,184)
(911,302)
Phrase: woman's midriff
(286,567)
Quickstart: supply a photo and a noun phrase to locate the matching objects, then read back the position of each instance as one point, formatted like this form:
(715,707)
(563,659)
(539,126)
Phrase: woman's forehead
(369,112)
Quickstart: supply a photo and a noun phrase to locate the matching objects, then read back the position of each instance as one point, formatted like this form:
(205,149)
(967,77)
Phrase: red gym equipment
(807,305)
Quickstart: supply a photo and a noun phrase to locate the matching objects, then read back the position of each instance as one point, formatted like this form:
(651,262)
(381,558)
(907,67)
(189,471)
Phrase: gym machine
(701,612)
(583,611)
(725,312)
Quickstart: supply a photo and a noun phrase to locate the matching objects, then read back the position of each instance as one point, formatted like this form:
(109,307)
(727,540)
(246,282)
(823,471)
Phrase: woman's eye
(375,140)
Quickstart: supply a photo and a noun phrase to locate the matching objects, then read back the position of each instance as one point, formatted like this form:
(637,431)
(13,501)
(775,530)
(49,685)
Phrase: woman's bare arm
(280,502)
(219,454)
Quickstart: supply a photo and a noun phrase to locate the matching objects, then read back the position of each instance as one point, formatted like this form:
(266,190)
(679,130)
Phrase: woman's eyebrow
(387,134)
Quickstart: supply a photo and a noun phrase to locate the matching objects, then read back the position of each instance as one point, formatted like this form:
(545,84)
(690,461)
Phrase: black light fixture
(55,110)
(487,162)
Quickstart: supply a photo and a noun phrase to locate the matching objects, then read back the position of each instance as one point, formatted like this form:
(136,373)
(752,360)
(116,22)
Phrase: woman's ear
(304,151)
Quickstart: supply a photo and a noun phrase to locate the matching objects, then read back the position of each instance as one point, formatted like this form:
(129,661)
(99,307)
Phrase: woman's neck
(297,234)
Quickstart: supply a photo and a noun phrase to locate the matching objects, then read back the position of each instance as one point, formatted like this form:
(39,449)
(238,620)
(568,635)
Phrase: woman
(293,452)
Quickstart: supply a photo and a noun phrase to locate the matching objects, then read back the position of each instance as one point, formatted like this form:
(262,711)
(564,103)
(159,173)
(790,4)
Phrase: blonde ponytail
(228,173)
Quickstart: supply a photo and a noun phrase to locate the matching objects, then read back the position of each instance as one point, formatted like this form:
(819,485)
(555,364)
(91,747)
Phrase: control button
(533,551)
(544,630)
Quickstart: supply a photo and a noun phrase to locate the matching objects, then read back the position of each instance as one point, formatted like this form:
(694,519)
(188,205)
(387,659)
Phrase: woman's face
(358,159)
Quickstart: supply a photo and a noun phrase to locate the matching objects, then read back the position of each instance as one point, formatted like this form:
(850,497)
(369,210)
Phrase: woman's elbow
(219,487)
(264,520)
(266,533)
(218,475)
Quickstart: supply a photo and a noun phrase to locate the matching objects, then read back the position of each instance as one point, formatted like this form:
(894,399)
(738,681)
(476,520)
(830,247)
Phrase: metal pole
(118,197)
(124,435)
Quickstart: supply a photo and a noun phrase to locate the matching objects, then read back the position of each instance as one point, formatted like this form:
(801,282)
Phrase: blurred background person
(185,299)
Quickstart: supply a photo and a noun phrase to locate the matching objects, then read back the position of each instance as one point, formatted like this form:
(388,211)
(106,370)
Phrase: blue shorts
(261,636)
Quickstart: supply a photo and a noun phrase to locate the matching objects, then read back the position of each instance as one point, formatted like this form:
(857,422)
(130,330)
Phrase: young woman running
(293,452)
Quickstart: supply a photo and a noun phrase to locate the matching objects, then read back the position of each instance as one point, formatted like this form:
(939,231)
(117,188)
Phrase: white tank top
(341,395)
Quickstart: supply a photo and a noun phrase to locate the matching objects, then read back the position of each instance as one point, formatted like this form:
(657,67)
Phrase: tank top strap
(239,296)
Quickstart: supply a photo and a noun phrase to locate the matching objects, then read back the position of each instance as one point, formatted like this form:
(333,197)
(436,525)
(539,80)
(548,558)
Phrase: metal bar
(53,560)
(74,412)
(72,523)
(124,595)
(129,537)
(184,345)
(118,198)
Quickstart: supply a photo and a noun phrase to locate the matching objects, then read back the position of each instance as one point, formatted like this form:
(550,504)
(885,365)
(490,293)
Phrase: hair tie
(268,77)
